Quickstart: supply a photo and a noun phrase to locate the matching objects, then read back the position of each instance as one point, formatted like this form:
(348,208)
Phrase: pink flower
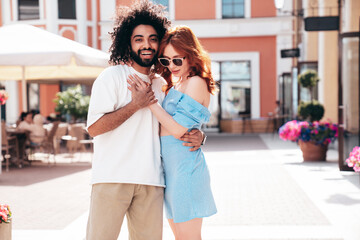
(3,216)
(3,97)
(290,131)
(354,159)
(5,213)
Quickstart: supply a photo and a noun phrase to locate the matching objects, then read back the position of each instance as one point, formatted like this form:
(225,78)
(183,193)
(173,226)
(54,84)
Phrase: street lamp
(279,4)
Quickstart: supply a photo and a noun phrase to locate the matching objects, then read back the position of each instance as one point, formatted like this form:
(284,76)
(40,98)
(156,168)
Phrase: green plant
(308,79)
(72,102)
(311,111)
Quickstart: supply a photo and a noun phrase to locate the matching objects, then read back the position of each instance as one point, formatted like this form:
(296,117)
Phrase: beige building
(335,55)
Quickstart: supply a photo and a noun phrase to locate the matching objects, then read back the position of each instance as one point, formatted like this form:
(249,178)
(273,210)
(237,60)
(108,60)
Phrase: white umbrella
(29,53)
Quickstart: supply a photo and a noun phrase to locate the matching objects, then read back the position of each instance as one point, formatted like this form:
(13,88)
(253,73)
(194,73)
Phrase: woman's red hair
(185,42)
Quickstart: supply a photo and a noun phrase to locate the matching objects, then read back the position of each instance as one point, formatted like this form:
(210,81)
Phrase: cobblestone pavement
(262,188)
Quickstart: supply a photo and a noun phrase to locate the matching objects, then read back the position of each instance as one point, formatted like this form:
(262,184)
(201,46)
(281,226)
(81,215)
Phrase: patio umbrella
(31,53)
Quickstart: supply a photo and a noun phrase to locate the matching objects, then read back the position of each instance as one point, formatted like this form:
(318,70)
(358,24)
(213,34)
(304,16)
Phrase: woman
(188,196)
(38,132)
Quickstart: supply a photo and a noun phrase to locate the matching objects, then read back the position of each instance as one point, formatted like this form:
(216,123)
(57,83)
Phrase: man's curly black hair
(141,12)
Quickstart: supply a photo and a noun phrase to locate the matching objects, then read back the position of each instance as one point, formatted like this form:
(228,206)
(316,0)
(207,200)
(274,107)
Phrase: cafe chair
(47,145)
(61,131)
(9,146)
(77,139)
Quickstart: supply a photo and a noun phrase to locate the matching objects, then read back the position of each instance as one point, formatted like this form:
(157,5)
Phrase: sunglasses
(176,61)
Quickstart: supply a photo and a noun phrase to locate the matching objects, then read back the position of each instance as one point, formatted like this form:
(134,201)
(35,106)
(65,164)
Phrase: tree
(72,102)
(313,110)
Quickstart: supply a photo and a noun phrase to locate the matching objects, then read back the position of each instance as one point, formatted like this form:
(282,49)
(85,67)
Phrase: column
(328,65)
(52,16)
(81,12)
(310,39)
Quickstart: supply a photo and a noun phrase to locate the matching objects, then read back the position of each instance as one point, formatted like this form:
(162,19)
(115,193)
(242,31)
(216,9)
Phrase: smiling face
(144,46)
(177,71)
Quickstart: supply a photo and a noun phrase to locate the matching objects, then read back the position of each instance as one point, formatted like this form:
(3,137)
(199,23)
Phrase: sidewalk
(262,188)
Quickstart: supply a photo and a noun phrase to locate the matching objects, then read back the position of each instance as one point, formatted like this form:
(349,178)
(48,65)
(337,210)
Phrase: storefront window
(285,95)
(214,107)
(235,86)
(305,94)
(350,93)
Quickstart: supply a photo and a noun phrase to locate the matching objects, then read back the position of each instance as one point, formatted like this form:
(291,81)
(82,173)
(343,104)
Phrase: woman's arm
(174,128)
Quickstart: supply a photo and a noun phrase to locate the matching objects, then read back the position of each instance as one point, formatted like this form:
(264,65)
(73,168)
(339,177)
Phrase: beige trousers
(142,204)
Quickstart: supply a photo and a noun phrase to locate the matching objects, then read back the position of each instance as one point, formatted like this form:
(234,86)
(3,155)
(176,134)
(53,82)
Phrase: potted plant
(72,103)
(311,110)
(5,222)
(312,137)
(354,159)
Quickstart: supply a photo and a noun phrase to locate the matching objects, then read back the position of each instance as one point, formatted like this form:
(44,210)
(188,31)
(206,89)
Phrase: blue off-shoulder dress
(187,194)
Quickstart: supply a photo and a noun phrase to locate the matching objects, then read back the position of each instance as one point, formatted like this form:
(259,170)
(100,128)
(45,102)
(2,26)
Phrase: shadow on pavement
(225,142)
(342,199)
(39,172)
(354,179)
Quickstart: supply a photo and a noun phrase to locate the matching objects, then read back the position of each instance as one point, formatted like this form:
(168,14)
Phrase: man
(127,173)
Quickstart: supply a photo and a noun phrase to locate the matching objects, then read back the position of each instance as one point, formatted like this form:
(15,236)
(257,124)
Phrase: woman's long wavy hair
(185,42)
(141,12)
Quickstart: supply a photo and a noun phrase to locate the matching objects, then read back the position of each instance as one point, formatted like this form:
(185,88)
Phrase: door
(348,96)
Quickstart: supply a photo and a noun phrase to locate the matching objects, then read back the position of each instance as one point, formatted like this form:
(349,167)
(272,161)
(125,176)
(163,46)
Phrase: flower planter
(312,152)
(5,231)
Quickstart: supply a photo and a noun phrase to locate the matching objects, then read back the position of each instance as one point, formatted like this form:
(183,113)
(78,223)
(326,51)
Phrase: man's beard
(146,62)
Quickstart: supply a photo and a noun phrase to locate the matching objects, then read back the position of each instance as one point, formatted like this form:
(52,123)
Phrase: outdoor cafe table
(21,137)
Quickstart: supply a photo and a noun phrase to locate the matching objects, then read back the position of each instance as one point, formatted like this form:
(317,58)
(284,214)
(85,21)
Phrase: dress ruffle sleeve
(189,113)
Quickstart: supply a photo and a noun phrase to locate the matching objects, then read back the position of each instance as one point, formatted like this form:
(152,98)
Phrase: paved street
(262,188)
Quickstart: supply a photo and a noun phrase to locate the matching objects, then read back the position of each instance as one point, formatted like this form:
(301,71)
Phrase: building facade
(243,38)
(335,56)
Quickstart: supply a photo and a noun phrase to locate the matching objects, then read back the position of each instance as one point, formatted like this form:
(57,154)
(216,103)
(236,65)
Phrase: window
(67,9)
(28,9)
(305,94)
(235,89)
(165,3)
(233,8)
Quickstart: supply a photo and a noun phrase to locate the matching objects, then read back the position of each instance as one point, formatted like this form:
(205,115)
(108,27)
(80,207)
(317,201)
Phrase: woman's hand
(142,93)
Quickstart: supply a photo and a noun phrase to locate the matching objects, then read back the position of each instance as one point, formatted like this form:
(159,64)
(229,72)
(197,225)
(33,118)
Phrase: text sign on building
(289,53)
(321,23)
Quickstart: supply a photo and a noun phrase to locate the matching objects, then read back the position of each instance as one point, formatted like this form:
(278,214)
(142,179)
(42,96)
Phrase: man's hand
(193,139)
(142,93)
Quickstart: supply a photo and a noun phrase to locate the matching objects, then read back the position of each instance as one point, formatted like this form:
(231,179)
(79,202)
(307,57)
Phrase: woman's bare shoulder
(197,83)
(197,89)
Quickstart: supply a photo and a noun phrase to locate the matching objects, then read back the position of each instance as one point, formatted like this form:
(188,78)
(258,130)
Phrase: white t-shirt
(23,125)
(131,152)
